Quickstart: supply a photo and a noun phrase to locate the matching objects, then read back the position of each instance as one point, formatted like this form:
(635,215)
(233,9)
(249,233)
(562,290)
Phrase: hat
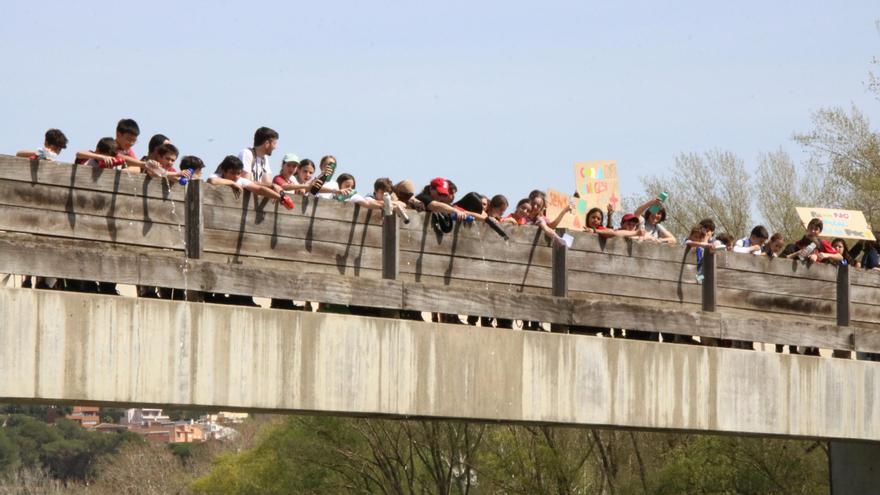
(405,186)
(628,217)
(441,185)
(290,157)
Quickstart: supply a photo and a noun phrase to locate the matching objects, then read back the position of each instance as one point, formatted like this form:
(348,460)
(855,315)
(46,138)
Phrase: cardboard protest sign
(848,224)
(597,183)
(557,201)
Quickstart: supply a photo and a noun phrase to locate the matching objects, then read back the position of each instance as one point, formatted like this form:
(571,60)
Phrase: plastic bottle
(183,180)
(331,169)
(663,196)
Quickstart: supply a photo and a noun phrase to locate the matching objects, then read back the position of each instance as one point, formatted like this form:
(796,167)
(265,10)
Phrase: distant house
(86,416)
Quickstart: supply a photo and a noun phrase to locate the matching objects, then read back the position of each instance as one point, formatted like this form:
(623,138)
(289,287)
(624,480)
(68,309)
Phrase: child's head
(166,154)
(326,161)
(814,228)
(629,222)
(346,181)
(193,163)
(654,218)
(726,239)
(484,202)
(381,186)
(539,202)
(759,235)
(523,207)
(441,190)
(595,218)
(154,143)
(266,140)
(708,226)
(107,146)
(305,170)
(289,164)
(776,243)
(127,132)
(55,141)
(698,234)
(497,206)
(230,168)
(404,190)
(839,245)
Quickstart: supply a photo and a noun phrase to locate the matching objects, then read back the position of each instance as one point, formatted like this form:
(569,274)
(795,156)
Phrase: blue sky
(501,97)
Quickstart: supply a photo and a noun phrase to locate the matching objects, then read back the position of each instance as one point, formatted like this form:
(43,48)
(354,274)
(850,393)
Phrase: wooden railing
(68,221)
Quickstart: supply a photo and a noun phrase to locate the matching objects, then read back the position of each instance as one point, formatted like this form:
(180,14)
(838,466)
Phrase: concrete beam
(57,346)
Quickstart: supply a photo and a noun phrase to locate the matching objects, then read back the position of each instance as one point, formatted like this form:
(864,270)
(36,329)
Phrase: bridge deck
(84,348)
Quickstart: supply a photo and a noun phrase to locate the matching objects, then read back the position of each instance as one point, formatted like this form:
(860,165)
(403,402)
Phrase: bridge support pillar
(854,467)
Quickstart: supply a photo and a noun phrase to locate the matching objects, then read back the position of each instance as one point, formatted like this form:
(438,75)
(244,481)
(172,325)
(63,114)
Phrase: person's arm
(548,230)
(559,217)
(218,181)
(739,248)
(89,155)
(26,153)
(829,256)
(666,236)
(609,212)
(641,209)
(259,189)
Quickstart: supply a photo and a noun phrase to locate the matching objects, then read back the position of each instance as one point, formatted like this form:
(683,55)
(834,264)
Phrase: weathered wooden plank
(794,287)
(87,178)
(787,331)
(643,288)
(72,225)
(224,197)
(195,222)
(773,303)
(98,203)
(593,243)
(352,258)
(776,266)
(581,261)
(166,269)
(866,278)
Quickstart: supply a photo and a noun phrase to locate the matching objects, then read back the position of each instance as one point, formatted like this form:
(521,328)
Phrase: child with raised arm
(652,216)
(106,155)
(229,174)
(54,142)
(127,132)
(754,243)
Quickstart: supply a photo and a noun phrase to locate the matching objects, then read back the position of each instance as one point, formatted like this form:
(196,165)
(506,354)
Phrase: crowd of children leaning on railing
(250,170)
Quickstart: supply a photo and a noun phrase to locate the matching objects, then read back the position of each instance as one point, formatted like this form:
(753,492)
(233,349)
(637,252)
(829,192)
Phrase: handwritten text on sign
(558,201)
(848,224)
(597,183)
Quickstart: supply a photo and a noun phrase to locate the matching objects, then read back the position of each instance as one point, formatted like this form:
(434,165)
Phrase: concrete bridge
(73,222)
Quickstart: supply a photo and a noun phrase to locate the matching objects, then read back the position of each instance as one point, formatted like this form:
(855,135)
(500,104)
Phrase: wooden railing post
(559,276)
(390,246)
(843,317)
(195,228)
(708,280)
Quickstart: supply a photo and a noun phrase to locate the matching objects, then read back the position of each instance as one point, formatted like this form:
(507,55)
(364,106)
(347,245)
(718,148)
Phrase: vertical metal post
(560,274)
(709,288)
(559,277)
(390,246)
(195,228)
(843,316)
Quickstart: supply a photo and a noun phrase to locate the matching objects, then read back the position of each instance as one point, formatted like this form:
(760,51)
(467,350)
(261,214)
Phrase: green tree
(713,185)
(780,187)
(846,151)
